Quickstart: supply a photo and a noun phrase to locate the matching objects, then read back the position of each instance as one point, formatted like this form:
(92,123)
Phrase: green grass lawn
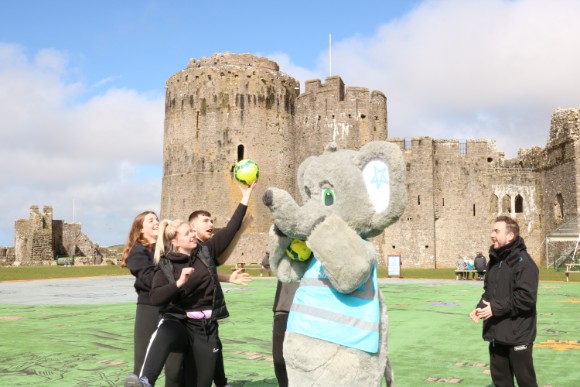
(45,272)
(431,338)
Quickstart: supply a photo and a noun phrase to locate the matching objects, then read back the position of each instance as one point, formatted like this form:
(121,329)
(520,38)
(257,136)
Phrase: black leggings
(146,320)
(278,333)
(507,361)
(175,334)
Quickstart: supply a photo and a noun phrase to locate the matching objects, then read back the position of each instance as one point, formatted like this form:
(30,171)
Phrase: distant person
(461,265)
(480,264)
(138,257)
(508,306)
(266,261)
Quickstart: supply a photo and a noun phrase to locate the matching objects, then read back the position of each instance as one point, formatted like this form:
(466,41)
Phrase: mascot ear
(382,167)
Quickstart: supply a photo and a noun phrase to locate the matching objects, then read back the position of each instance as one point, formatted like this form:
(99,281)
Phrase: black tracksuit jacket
(511,286)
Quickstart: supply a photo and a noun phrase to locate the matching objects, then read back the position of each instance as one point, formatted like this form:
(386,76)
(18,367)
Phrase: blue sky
(82,82)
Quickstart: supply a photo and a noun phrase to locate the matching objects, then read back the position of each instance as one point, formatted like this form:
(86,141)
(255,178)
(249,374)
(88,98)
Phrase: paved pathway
(94,290)
(110,290)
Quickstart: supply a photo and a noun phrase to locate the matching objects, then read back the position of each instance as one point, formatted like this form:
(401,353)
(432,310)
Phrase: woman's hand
(185,273)
(238,277)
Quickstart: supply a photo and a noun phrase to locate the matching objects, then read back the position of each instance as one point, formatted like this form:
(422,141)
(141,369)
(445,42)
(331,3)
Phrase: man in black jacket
(508,306)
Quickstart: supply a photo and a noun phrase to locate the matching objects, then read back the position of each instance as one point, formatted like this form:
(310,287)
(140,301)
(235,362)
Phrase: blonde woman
(138,257)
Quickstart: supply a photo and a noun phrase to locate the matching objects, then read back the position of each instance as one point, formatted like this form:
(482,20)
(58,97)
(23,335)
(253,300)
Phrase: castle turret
(328,112)
(218,111)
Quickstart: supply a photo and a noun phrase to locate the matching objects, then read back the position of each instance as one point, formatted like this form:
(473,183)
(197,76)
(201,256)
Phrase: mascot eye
(328,196)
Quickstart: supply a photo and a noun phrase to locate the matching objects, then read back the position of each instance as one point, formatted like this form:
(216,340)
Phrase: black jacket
(140,263)
(202,291)
(479,262)
(511,286)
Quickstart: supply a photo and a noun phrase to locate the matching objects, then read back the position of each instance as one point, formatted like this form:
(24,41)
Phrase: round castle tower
(218,111)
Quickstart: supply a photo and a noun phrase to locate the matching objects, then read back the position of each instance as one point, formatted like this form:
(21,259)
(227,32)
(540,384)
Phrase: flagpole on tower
(329,55)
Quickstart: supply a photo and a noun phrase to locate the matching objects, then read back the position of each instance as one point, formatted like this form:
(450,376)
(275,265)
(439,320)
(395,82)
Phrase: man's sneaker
(133,381)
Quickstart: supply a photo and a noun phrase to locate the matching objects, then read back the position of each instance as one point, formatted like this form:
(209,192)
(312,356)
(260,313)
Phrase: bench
(65,261)
(570,269)
(461,274)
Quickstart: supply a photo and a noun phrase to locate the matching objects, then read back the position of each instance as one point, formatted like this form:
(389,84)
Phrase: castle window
(408,143)
(419,200)
(240,152)
(506,204)
(559,207)
(443,202)
(408,167)
(462,148)
(473,209)
(519,204)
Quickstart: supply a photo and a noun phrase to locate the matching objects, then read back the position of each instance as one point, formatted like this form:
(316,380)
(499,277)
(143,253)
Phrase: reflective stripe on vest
(319,311)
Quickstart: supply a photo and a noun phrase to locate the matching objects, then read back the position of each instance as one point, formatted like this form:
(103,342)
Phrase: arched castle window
(240,152)
(493,204)
(519,204)
(506,204)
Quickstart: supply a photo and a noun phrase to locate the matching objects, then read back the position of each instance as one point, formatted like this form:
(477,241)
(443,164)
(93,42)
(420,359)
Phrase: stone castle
(222,109)
(40,239)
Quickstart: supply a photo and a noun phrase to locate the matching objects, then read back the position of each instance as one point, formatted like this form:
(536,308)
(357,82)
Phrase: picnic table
(465,274)
(571,268)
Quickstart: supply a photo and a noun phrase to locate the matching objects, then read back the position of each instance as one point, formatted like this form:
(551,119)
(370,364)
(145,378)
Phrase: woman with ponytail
(138,257)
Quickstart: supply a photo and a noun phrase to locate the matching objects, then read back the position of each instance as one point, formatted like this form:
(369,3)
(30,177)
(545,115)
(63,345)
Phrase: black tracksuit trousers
(146,321)
(173,334)
(507,361)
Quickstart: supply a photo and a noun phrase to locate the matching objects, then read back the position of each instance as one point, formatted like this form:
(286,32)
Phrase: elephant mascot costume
(337,326)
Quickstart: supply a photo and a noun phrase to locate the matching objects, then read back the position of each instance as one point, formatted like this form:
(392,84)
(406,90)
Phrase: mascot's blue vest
(319,311)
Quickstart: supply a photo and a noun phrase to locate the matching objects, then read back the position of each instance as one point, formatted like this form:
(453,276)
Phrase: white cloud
(471,69)
(60,145)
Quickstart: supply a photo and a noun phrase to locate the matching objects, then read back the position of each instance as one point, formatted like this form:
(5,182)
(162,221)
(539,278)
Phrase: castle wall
(413,236)
(561,174)
(447,210)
